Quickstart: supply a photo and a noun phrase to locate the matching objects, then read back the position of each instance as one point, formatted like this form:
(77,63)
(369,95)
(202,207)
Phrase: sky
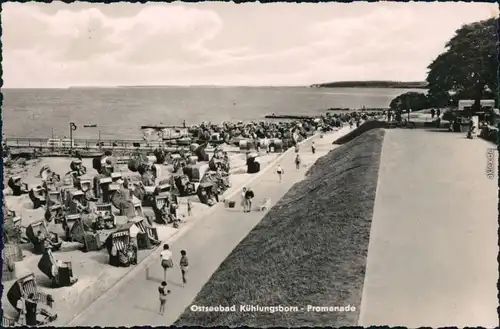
(81,44)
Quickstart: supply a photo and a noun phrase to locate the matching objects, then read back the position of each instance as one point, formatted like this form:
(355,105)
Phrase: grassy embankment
(309,249)
(363,128)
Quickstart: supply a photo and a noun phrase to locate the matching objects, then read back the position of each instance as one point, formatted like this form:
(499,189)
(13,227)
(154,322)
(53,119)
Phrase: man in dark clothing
(438,113)
(433,113)
(31,310)
(249,195)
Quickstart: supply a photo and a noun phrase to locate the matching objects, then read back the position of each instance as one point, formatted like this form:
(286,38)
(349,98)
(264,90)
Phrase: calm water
(119,112)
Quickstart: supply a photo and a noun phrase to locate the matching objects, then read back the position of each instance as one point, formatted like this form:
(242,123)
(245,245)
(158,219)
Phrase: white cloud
(59,45)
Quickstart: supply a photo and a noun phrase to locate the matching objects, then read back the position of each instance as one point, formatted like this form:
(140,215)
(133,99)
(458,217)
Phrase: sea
(119,112)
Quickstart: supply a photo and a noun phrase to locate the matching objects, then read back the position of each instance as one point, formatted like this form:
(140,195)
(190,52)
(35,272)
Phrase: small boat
(90,125)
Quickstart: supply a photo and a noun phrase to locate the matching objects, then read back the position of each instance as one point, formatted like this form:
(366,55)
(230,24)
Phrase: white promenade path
(207,243)
(432,256)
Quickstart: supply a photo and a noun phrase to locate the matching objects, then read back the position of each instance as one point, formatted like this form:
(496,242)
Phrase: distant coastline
(337,84)
(373,84)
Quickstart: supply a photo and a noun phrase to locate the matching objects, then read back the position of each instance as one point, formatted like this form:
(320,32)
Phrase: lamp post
(409,110)
(72,127)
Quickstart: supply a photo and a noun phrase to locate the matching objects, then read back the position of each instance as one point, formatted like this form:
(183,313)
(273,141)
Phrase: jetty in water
(159,127)
(291,117)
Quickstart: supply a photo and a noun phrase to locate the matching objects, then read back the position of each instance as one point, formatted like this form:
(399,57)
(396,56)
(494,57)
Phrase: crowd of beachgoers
(232,132)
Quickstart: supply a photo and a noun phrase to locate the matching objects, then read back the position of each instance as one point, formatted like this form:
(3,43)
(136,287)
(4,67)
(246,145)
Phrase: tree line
(467,69)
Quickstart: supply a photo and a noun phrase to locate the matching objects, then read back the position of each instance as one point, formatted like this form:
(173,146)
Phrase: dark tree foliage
(410,100)
(468,69)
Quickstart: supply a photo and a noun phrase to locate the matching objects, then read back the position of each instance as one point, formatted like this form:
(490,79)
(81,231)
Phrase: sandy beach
(94,274)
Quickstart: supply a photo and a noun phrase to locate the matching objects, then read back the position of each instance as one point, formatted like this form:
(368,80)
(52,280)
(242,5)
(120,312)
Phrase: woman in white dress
(243,199)
(166,260)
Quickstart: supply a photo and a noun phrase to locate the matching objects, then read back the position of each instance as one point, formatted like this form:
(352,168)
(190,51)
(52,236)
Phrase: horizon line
(210,86)
(154,86)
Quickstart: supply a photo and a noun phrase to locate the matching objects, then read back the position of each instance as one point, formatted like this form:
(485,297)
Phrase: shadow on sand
(440,130)
(145,309)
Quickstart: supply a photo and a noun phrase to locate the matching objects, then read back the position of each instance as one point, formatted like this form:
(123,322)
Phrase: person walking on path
(189,207)
(163,296)
(249,195)
(313,148)
(280,172)
(244,199)
(184,266)
(297,161)
(166,260)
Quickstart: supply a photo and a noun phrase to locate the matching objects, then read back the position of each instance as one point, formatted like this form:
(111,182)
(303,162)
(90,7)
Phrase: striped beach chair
(54,198)
(116,176)
(118,243)
(85,183)
(150,232)
(137,206)
(121,240)
(24,287)
(105,210)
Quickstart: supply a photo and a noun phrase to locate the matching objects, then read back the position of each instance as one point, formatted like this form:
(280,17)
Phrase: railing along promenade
(90,147)
(24,142)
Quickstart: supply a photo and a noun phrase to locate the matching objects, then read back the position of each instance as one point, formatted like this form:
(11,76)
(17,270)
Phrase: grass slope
(364,127)
(310,249)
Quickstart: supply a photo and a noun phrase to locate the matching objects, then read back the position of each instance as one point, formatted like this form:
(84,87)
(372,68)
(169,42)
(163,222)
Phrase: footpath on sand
(432,255)
(207,244)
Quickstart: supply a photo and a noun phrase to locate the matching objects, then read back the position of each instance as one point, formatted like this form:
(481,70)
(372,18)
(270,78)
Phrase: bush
(489,134)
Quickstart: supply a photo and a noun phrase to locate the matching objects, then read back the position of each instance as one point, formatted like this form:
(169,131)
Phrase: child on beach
(189,207)
(166,260)
(249,195)
(163,296)
(280,172)
(313,148)
(243,199)
(184,266)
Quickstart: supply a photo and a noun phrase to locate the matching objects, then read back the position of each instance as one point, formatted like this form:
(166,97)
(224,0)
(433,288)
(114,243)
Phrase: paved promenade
(432,257)
(207,243)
